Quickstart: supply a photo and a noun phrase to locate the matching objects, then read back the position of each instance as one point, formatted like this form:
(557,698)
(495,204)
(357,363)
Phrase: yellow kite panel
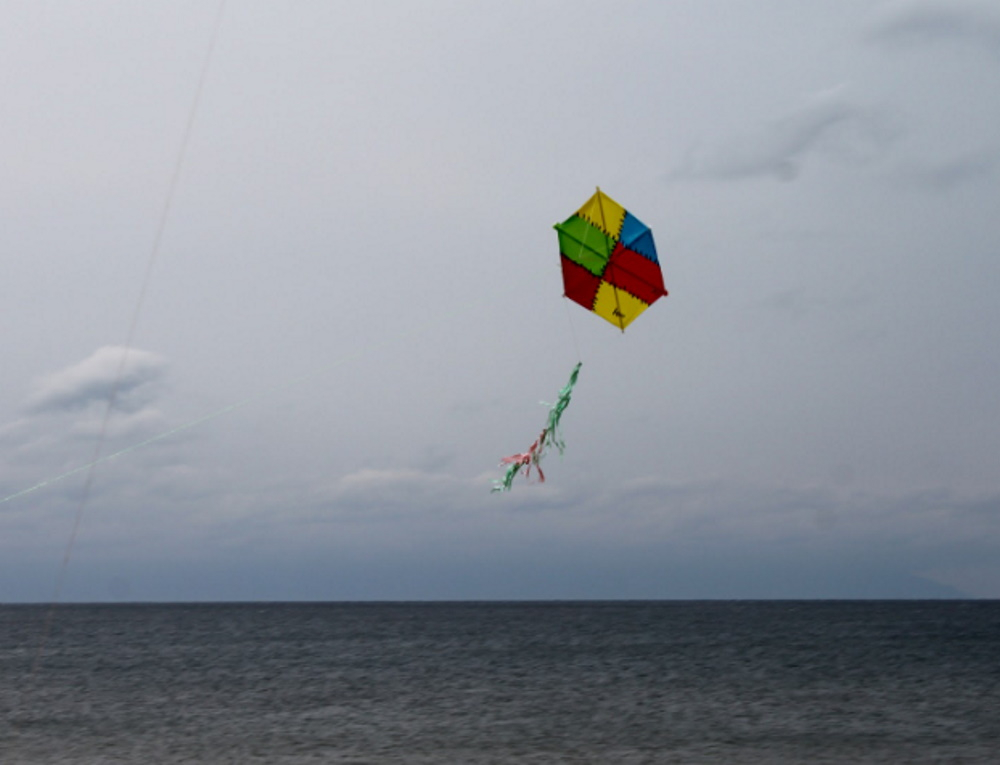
(605,213)
(617,306)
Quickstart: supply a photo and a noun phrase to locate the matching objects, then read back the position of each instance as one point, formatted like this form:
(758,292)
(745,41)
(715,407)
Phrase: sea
(502,682)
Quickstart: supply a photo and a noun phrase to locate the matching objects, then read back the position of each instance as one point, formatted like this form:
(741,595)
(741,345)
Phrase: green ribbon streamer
(552,435)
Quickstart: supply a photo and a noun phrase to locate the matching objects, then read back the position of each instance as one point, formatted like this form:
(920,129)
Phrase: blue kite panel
(637,237)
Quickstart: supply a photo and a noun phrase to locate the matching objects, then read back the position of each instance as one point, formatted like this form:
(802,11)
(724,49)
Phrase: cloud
(829,123)
(408,533)
(63,417)
(971,23)
(403,489)
(924,544)
(93,380)
(946,174)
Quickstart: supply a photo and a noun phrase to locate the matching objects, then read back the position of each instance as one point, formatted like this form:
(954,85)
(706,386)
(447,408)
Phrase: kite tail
(548,437)
(505,483)
(526,460)
(553,437)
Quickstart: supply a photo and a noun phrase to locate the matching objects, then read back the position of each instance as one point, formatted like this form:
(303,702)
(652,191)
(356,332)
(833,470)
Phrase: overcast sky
(358,286)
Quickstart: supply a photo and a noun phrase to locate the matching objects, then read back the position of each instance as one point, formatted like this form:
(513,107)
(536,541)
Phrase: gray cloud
(830,123)
(652,536)
(922,544)
(946,174)
(646,538)
(63,416)
(93,379)
(397,490)
(973,23)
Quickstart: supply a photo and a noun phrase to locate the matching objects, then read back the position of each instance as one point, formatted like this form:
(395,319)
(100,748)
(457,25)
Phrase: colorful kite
(609,262)
(609,266)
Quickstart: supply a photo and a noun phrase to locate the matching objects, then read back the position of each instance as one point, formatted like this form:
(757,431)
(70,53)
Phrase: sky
(328,299)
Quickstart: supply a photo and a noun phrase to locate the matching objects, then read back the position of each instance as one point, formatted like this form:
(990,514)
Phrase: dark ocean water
(670,682)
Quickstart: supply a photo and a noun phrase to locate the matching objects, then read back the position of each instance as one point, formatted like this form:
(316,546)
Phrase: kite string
(133,447)
(572,328)
(119,375)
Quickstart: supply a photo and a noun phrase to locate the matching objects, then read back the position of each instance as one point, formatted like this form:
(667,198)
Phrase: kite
(549,436)
(609,262)
(609,266)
